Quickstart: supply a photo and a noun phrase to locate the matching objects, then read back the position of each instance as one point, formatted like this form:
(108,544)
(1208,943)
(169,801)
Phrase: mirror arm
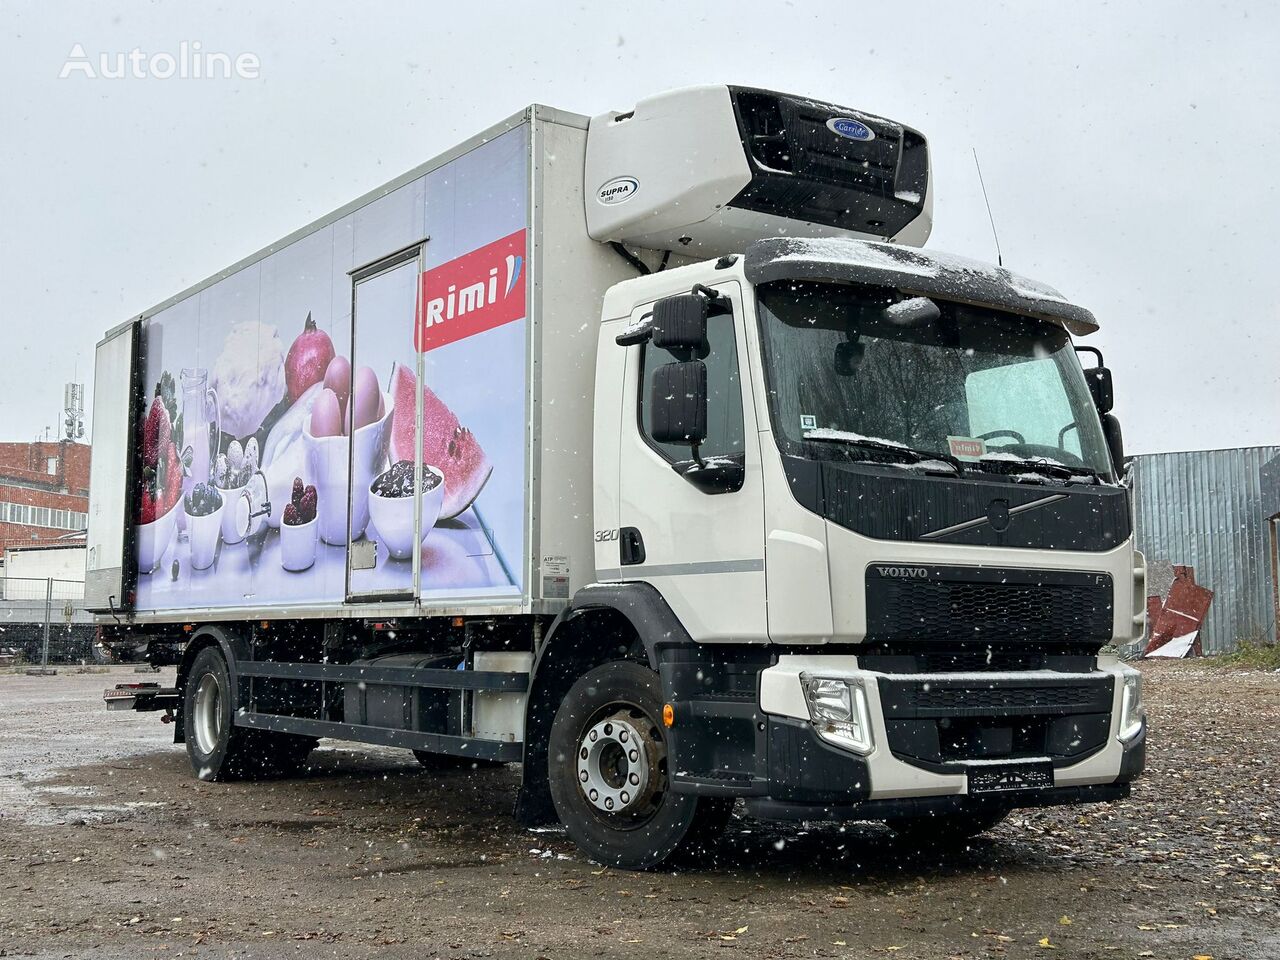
(1079,348)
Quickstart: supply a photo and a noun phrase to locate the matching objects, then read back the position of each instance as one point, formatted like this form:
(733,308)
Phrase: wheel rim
(620,765)
(208,714)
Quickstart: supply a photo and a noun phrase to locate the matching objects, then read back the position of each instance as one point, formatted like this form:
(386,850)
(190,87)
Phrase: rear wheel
(217,748)
(609,775)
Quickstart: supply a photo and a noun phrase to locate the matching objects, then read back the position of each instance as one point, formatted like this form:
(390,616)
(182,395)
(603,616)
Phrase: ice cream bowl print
(391,506)
(203,508)
(154,538)
(298,543)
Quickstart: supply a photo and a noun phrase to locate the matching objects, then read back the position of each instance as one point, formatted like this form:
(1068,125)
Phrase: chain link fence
(43,621)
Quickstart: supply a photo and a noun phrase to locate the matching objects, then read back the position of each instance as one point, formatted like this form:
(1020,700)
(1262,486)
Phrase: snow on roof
(929,273)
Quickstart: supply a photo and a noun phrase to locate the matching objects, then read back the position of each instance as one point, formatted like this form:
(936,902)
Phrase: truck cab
(884,477)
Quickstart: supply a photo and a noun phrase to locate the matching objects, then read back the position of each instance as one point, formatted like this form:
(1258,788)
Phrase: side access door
(696,533)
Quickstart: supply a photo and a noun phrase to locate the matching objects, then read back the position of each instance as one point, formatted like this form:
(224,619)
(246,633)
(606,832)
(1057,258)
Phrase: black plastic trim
(1134,759)
(888,503)
(805,769)
(770,809)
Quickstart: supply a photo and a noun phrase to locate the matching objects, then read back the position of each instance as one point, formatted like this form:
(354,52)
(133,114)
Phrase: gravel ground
(111,849)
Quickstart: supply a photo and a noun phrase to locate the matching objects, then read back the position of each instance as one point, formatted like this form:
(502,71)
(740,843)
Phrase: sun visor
(926,273)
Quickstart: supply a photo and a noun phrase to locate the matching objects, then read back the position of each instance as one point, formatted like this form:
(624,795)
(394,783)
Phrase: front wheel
(610,782)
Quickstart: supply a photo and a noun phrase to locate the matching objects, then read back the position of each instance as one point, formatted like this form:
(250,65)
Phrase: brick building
(44,491)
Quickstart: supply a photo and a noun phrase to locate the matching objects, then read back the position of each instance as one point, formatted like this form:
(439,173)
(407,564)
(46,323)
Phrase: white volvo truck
(647,451)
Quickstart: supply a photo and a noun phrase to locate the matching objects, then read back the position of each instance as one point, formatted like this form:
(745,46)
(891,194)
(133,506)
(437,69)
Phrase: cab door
(700,545)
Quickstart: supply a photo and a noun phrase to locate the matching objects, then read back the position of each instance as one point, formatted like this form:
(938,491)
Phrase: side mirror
(680,324)
(678,403)
(1099,380)
(1115,441)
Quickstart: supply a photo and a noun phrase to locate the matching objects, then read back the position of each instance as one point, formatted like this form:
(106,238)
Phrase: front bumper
(809,778)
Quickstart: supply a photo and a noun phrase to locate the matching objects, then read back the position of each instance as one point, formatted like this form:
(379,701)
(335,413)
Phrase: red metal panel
(1183,612)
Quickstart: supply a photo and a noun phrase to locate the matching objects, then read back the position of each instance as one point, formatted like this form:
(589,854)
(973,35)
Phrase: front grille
(914,657)
(937,720)
(923,698)
(973,605)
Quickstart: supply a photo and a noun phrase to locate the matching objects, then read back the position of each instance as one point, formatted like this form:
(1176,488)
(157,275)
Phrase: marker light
(1133,714)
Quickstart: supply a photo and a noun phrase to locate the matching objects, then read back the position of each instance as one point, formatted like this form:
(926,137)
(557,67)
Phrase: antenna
(994,234)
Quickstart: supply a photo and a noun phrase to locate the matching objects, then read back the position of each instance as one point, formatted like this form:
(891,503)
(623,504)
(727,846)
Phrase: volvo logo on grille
(904,573)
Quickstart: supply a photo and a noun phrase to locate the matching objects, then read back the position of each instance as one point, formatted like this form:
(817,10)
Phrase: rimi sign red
(472,293)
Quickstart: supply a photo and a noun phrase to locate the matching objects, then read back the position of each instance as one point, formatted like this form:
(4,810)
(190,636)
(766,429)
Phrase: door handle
(630,546)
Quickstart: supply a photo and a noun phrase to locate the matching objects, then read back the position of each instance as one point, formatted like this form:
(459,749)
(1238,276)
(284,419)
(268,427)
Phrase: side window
(724,394)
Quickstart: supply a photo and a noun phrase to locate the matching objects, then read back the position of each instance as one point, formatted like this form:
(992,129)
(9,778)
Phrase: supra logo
(604,536)
(618,190)
(904,573)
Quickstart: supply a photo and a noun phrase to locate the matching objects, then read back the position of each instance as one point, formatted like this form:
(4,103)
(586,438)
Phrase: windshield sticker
(808,421)
(967,448)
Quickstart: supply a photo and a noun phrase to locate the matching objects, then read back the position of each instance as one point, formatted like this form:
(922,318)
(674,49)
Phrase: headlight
(1132,712)
(838,709)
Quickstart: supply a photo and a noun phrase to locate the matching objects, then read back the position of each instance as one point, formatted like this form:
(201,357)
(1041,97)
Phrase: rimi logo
(472,293)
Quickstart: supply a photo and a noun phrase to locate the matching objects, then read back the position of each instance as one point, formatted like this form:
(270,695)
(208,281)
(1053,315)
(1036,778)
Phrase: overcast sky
(1130,152)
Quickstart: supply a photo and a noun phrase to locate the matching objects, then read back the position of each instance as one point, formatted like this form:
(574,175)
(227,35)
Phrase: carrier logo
(618,190)
(475,292)
(904,573)
(850,129)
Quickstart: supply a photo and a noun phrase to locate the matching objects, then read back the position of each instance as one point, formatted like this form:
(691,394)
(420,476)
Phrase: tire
(947,829)
(634,820)
(443,761)
(220,751)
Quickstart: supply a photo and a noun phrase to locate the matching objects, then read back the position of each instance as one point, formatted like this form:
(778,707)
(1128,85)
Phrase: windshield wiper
(911,454)
(1046,468)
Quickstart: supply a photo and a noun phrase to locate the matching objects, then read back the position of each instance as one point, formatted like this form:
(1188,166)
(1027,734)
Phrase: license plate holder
(1009,778)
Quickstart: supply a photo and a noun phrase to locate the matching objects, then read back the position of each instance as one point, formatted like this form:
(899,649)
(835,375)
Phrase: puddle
(30,801)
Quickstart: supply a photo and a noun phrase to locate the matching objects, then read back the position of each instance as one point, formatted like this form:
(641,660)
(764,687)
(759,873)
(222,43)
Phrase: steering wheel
(1003,433)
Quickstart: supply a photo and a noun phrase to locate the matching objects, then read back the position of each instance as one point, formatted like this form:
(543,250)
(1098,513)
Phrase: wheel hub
(208,714)
(616,763)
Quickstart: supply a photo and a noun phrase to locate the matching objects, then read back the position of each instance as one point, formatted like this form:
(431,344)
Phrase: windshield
(854,372)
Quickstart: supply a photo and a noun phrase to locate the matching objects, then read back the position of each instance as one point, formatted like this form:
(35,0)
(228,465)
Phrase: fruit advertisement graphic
(280,428)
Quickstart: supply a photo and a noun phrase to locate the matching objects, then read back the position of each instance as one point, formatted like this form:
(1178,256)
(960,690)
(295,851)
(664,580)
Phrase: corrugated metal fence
(1204,508)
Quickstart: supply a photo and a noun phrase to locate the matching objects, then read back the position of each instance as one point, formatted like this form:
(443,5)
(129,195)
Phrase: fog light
(1132,712)
(838,710)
